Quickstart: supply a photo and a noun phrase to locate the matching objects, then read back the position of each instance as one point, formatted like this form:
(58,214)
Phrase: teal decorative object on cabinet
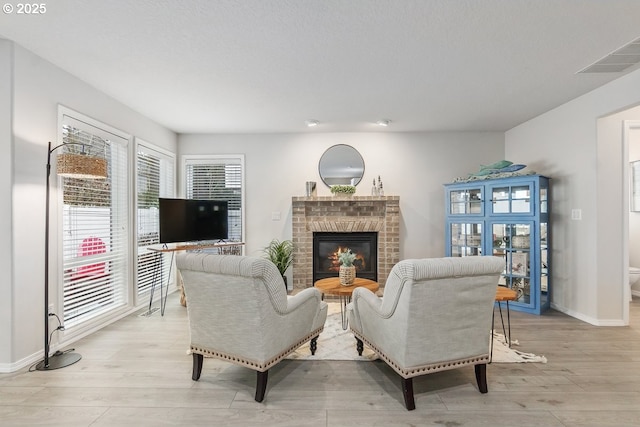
(508,218)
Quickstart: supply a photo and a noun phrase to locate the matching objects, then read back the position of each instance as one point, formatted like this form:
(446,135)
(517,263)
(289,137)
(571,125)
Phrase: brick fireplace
(330,214)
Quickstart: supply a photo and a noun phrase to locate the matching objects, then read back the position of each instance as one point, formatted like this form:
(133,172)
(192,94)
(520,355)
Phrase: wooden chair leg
(197,366)
(481,377)
(313,345)
(359,346)
(261,385)
(407,392)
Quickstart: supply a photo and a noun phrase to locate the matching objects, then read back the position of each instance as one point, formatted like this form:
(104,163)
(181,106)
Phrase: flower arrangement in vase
(347,269)
(343,190)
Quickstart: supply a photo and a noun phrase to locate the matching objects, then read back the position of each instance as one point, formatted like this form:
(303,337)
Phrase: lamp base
(59,360)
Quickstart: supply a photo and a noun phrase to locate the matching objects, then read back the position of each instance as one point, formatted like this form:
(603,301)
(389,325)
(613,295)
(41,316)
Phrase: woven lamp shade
(81,166)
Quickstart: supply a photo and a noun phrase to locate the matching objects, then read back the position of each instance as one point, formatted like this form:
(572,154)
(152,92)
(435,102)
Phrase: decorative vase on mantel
(347,272)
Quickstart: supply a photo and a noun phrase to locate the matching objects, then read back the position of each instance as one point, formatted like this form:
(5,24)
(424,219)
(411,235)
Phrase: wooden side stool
(503,294)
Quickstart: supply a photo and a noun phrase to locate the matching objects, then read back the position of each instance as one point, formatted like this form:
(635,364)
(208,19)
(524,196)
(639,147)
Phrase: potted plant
(281,254)
(343,190)
(347,269)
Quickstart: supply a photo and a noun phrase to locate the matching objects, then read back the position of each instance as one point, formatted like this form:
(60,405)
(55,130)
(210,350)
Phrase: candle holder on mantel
(376,188)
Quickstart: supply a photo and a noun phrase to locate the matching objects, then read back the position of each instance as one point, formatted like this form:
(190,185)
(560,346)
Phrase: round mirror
(341,164)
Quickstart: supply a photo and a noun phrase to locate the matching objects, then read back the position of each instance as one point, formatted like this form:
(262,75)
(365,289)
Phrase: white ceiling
(228,66)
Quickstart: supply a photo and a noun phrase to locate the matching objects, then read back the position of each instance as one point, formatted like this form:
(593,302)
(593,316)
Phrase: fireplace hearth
(328,246)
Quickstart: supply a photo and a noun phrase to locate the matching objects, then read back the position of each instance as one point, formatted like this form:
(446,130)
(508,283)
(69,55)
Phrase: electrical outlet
(50,308)
(576,214)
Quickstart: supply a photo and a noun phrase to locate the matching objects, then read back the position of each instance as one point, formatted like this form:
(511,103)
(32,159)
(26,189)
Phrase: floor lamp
(71,165)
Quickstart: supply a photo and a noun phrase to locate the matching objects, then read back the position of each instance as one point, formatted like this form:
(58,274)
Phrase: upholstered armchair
(239,311)
(435,315)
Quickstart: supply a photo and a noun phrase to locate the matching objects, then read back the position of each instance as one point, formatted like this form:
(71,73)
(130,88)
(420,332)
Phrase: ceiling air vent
(618,60)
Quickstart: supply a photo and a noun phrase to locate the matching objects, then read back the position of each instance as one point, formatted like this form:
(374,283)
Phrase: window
(155,177)
(94,225)
(219,178)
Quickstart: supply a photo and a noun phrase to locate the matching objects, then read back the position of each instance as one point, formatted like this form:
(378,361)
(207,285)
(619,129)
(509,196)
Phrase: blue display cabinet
(507,218)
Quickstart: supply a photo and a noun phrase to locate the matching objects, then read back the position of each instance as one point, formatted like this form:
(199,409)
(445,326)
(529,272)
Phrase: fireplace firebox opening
(327,247)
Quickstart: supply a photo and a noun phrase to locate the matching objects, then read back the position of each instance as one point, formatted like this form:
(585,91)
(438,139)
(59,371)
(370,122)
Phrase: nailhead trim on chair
(252,364)
(420,370)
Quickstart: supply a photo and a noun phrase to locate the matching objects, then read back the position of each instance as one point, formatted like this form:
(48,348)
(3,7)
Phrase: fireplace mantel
(344,214)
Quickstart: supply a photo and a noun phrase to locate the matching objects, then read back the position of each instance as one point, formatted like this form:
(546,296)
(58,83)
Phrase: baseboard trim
(6,368)
(588,319)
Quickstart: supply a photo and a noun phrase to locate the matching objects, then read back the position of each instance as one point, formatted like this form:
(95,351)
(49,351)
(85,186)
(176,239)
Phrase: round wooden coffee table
(332,286)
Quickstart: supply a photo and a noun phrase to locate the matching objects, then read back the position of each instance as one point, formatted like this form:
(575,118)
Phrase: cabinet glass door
(466,239)
(465,201)
(544,204)
(544,265)
(512,241)
(511,199)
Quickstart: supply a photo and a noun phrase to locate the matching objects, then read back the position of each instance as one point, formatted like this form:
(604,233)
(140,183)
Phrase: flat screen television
(189,220)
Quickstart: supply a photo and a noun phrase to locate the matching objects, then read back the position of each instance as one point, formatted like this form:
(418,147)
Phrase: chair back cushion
(237,307)
(258,276)
(434,310)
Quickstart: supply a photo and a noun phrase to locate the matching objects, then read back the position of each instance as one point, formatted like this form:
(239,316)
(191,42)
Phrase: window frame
(75,118)
(217,159)
(142,297)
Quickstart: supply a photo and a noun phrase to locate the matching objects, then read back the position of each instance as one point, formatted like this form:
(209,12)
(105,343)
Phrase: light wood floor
(136,372)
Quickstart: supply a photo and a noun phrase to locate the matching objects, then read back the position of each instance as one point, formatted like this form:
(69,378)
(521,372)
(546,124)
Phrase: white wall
(6,180)
(413,166)
(587,174)
(38,88)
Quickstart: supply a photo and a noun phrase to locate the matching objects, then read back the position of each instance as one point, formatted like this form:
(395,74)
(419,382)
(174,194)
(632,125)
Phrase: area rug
(335,343)
(503,354)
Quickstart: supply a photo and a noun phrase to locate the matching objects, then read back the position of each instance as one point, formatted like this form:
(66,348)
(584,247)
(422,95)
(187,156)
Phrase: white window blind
(94,227)
(219,178)
(155,178)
